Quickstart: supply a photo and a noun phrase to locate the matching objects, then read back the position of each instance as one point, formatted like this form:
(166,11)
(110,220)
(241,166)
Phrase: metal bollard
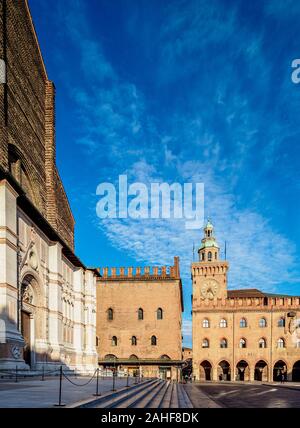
(60,389)
(97,385)
(43,373)
(127,383)
(114,382)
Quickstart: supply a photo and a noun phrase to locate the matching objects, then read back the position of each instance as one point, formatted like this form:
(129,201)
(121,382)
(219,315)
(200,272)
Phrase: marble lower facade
(47,297)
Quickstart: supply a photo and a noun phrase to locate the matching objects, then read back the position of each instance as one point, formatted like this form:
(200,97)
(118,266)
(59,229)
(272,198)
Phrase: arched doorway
(205,371)
(28,303)
(279,369)
(224,372)
(296,372)
(261,371)
(243,371)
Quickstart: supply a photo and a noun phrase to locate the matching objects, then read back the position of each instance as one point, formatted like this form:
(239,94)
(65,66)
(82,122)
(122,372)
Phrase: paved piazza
(250,395)
(34,393)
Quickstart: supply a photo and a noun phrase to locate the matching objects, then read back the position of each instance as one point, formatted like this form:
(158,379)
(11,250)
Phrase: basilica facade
(47,295)
(240,335)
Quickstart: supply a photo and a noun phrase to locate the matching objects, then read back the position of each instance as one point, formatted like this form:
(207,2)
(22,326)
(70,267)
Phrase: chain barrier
(63,375)
(77,384)
(28,375)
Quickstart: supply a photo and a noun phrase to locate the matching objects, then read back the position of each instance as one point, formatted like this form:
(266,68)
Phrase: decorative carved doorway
(28,313)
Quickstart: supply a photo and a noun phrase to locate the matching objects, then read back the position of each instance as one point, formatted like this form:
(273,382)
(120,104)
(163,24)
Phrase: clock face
(209,289)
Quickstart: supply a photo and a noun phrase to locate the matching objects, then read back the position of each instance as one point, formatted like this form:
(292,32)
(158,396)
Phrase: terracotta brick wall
(125,298)
(30,130)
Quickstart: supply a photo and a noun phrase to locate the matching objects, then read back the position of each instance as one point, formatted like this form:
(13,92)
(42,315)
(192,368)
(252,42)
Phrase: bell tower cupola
(209,273)
(209,249)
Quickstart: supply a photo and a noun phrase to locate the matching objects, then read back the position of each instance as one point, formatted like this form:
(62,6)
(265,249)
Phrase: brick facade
(240,335)
(30,132)
(135,306)
(47,296)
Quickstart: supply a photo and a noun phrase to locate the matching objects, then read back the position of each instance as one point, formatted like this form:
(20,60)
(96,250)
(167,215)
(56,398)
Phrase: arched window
(110,357)
(281,322)
(165,357)
(209,256)
(140,314)
(243,343)
(153,341)
(110,314)
(203,257)
(133,357)
(216,255)
(205,323)
(262,343)
(133,341)
(243,323)
(223,323)
(281,343)
(159,314)
(97,341)
(263,322)
(114,341)
(205,343)
(223,343)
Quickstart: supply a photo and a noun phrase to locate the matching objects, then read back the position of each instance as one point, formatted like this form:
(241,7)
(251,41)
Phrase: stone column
(79,331)
(215,373)
(11,340)
(90,303)
(55,303)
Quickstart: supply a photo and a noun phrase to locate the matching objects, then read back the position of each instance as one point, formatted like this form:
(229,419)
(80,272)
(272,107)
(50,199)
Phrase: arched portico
(224,370)
(261,371)
(205,371)
(296,372)
(242,371)
(279,369)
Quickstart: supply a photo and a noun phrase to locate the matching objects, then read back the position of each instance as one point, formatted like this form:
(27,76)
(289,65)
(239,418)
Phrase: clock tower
(209,274)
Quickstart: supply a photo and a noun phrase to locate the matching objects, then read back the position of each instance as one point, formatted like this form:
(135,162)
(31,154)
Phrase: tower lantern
(209,250)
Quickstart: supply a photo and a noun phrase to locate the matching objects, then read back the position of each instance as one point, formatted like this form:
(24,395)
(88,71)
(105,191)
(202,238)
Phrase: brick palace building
(240,334)
(139,320)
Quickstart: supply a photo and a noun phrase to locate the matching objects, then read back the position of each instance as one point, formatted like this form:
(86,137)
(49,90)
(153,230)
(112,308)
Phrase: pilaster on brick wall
(51,206)
(3,106)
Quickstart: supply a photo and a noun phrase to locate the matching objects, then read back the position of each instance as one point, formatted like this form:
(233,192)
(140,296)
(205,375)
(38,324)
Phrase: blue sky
(182,91)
